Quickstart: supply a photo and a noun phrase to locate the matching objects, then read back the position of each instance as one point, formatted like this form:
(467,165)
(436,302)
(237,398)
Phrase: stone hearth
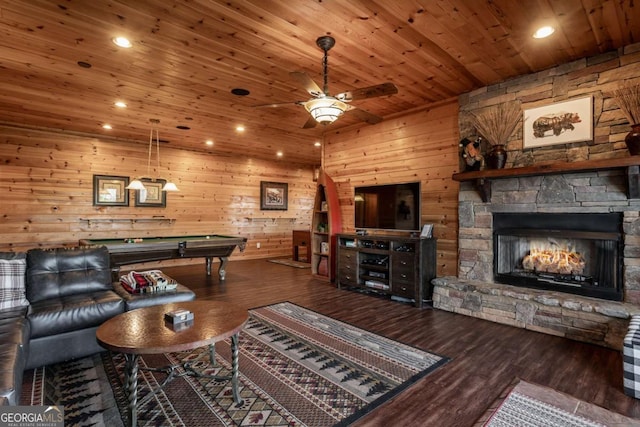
(474,293)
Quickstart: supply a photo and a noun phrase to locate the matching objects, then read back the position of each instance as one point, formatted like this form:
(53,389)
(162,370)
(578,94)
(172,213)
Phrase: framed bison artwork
(274,195)
(559,123)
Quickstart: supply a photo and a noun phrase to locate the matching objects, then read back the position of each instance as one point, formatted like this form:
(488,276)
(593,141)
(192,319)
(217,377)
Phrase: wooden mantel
(483,178)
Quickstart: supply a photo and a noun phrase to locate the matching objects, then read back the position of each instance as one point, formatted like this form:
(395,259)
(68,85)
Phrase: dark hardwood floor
(485,357)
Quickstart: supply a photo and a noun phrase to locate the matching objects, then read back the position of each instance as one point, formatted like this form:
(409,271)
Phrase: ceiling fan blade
(368,92)
(308,83)
(365,116)
(311,123)
(280,104)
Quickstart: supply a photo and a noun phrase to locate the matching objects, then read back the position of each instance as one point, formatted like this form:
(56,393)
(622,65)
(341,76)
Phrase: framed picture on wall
(558,123)
(110,190)
(274,195)
(152,195)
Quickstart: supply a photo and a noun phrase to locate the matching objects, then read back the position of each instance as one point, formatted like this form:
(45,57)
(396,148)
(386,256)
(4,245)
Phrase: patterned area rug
(290,263)
(297,368)
(532,405)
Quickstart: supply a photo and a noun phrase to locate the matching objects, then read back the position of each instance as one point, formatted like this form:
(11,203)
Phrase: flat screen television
(388,207)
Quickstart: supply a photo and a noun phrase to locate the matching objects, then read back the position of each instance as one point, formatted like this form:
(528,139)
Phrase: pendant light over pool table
(137,184)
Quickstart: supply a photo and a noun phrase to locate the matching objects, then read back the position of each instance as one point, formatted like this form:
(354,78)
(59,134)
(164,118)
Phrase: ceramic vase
(633,140)
(497,157)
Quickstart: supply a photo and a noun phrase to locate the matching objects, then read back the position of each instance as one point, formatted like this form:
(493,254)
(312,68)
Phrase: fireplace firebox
(575,253)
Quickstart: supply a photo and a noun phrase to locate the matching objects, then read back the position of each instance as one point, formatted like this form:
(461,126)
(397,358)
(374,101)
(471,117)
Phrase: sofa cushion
(61,272)
(12,282)
(74,312)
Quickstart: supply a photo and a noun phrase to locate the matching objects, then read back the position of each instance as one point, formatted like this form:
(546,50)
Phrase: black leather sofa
(70,294)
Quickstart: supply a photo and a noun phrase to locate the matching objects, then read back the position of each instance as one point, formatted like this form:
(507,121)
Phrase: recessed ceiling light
(84,64)
(122,42)
(317,144)
(240,92)
(543,32)
(120,104)
(240,128)
(106,126)
(183,127)
(209,142)
(279,154)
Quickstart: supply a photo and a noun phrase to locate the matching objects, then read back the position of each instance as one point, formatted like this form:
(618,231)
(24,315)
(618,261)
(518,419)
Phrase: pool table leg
(221,270)
(208,265)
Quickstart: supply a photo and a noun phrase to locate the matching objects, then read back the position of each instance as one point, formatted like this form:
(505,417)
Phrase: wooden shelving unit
(402,267)
(325,224)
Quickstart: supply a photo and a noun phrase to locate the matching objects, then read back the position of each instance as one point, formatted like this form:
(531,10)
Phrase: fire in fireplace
(555,256)
(574,253)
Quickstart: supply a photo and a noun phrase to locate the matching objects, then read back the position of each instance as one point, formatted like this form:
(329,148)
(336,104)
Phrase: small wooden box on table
(391,265)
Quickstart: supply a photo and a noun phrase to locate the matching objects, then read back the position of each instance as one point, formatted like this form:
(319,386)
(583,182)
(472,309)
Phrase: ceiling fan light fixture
(325,110)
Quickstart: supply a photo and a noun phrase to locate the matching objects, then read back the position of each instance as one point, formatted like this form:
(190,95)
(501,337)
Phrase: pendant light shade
(137,184)
(170,186)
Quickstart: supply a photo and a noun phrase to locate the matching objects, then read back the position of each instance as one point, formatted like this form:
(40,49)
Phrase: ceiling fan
(325,108)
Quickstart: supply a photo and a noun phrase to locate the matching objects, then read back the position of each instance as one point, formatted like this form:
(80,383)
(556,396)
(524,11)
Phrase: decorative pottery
(496,158)
(633,140)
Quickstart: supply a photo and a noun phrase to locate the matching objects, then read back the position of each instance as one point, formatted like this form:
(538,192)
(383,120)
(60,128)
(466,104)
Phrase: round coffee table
(145,331)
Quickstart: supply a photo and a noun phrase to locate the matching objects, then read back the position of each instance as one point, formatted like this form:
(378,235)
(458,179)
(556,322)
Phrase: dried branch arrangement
(497,123)
(628,99)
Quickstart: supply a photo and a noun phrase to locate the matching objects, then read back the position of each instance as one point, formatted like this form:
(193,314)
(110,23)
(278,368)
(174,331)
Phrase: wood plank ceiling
(187,56)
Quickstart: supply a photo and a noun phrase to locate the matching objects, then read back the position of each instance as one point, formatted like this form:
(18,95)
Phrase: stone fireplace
(596,176)
(590,302)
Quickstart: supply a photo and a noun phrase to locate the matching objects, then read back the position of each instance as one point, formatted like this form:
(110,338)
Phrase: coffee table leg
(234,370)
(131,386)
(212,354)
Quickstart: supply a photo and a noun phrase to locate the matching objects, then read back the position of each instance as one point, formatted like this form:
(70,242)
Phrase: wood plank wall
(421,146)
(46,182)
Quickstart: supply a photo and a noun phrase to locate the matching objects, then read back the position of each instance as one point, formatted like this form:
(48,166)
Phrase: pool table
(132,251)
